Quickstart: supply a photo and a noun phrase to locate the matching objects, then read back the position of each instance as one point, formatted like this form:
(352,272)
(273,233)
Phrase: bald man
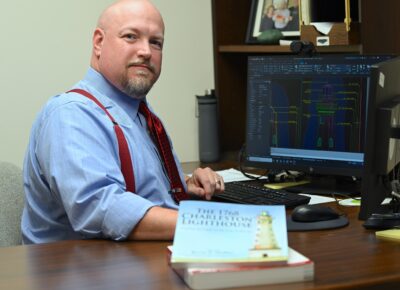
(74,185)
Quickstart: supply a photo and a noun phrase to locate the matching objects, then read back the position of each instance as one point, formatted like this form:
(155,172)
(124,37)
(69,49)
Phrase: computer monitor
(308,114)
(382,154)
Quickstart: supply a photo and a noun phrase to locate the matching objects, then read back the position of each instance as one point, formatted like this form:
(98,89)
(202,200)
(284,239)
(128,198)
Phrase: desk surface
(349,257)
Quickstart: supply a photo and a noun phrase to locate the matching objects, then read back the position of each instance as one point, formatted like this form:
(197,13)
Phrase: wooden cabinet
(380,33)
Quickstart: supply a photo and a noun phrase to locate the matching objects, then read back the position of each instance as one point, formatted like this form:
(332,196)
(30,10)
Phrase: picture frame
(282,15)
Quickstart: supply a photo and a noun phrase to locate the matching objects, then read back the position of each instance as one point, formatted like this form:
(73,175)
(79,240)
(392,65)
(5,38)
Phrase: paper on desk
(283,185)
(357,201)
(315,199)
(232,174)
(392,234)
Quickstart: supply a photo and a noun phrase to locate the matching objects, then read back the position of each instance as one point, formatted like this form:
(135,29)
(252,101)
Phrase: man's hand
(204,182)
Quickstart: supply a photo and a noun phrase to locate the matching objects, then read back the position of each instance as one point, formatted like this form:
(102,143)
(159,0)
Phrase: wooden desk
(344,258)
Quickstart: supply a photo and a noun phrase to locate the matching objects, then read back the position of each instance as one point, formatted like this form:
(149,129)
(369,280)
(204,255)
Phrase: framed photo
(266,15)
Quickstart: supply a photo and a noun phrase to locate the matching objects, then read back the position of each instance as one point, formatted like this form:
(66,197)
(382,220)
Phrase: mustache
(142,63)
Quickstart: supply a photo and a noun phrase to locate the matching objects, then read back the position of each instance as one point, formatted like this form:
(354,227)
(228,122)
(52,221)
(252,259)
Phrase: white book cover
(213,233)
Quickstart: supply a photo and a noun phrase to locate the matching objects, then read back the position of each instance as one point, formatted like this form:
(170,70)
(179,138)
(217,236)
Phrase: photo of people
(277,14)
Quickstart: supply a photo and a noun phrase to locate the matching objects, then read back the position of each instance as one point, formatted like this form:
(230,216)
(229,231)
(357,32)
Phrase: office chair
(11,204)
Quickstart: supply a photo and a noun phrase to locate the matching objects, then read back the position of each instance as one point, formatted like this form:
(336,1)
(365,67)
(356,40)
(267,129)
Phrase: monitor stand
(328,185)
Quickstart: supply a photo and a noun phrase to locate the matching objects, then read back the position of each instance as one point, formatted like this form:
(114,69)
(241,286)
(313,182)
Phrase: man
(75,188)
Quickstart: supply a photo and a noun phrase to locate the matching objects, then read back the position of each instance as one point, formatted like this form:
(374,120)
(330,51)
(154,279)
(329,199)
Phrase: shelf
(286,49)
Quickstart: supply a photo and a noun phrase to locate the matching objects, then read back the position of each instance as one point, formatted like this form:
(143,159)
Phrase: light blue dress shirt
(73,183)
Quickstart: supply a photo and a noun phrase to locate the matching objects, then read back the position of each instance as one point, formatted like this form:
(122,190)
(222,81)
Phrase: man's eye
(157,43)
(130,36)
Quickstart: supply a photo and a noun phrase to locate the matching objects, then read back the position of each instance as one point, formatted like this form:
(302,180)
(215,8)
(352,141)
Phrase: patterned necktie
(164,148)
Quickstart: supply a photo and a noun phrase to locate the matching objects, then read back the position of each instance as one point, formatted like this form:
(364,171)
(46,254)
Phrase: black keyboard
(249,193)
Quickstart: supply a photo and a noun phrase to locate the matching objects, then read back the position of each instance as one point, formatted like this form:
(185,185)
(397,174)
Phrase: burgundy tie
(164,148)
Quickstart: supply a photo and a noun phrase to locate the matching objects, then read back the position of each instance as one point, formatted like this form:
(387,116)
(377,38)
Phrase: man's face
(130,52)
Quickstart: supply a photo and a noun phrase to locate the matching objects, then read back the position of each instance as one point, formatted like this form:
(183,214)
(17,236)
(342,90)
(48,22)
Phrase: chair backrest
(11,204)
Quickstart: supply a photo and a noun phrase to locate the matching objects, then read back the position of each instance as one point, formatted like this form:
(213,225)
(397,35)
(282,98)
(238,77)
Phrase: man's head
(127,46)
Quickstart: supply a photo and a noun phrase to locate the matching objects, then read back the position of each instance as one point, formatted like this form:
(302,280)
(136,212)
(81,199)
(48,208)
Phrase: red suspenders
(124,154)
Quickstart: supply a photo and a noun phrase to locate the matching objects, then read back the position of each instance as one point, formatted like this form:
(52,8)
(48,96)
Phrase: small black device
(303,48)
(383,221)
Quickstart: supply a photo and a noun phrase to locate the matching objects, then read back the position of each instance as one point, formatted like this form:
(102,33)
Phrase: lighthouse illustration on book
(265,244)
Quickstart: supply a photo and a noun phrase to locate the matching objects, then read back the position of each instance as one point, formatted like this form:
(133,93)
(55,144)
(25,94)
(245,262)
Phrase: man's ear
(98,39)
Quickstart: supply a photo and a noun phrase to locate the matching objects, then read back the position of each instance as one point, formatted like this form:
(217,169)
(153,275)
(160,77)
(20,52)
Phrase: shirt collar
(110,95)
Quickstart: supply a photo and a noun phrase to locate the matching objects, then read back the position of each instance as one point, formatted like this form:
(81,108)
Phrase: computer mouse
(313,213)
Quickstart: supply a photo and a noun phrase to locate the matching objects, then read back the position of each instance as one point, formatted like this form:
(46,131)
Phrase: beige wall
(45,47)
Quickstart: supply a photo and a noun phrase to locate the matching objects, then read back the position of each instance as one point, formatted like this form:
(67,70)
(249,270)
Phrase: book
(212,234)
(299,268)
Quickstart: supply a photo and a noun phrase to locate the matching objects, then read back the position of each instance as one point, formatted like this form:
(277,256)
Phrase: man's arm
(157,224)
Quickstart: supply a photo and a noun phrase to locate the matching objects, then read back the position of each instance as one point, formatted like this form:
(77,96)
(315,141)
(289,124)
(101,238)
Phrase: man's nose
(144,49)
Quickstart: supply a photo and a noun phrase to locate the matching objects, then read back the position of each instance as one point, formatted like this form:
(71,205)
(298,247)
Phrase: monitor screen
(308,113)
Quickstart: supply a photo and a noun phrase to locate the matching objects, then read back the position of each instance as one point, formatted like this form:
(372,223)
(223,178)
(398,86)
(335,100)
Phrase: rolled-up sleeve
(119,220)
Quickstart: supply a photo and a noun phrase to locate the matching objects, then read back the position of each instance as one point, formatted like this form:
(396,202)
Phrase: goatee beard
(140,85)
(136,88)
